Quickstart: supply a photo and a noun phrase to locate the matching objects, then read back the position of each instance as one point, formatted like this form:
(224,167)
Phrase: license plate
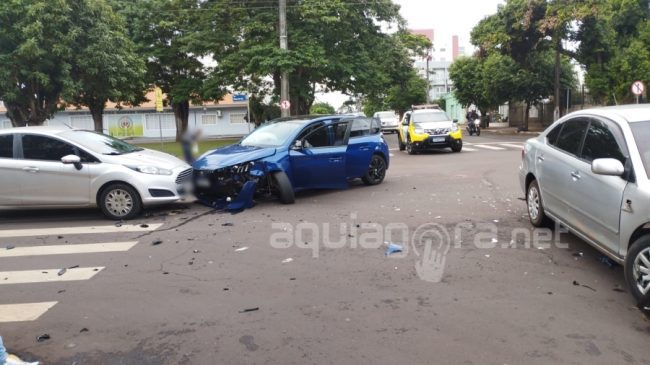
(437,139)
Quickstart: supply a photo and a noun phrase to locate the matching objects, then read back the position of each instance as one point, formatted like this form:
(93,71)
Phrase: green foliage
(322,108)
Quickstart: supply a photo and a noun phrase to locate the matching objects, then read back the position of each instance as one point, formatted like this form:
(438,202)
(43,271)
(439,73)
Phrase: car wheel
(410,148)
(535,205)
(120,202)
(285,189)
(637,271)
(457,146)
(376,171)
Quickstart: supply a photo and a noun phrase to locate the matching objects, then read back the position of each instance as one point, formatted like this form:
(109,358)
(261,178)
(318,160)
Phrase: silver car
(43,167)
(389,121)
(590,172)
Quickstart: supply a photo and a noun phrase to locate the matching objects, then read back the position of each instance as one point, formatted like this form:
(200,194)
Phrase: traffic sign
(159,99)
(638,88)
(285,104)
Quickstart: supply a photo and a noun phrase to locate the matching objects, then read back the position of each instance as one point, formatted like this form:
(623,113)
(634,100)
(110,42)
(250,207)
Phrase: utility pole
(284,45)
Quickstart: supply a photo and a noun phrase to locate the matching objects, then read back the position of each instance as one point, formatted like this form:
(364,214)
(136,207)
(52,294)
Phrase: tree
(322,108)
(332,43)
(35,54)
(105,65)
(405,94)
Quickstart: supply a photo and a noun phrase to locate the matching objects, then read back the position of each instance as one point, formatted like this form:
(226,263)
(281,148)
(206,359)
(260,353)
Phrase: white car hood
(147,157)
(435,125)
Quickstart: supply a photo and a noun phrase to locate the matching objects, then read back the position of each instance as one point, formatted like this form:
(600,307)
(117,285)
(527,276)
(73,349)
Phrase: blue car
(292,154)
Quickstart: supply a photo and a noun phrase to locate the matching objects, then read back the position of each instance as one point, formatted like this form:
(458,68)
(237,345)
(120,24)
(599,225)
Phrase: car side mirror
(455,121)
(72,160)
(406,122)
(607,167)
(297,145)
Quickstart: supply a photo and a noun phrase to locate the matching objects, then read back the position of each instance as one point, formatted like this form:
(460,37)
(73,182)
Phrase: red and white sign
(285,105)
(638,88)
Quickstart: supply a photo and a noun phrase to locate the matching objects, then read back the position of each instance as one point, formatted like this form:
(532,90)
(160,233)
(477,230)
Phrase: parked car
(389,121)
(589,171)
(294,154)
(49,167)
(428,127)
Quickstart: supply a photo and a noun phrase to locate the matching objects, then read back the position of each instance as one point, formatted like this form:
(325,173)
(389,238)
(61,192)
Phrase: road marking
(46,276)
(77,230)
(68,249)
(23,312)
(487,147)
(468,149)
(511,145)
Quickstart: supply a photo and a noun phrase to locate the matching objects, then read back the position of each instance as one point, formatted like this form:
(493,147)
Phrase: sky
(445,17)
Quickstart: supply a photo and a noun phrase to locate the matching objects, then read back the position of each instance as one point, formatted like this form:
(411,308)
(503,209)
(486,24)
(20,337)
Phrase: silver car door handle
(540,158)
(30,169)
(576,175)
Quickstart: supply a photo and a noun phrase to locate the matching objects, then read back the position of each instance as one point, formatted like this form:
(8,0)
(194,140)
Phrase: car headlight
(419,131)
(151,170)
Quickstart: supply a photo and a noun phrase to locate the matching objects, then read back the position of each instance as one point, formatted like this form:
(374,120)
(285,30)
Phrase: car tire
(120,201)
(376,171)
(535,205)
(457,145)
(285,189)
(410,148)
(634,263)
(402,145)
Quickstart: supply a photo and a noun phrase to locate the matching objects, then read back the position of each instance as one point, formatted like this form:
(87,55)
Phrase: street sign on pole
(159,99)
(239,97)
(285,105)
(638,88)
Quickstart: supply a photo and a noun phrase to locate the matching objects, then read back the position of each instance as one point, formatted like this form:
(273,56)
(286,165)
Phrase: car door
(320,162)
(557,162)
(45,180)
(10,172)
(598,199)
(361,145)
(404,126)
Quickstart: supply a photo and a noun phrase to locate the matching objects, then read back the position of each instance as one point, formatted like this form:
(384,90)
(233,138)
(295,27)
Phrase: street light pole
(284,45)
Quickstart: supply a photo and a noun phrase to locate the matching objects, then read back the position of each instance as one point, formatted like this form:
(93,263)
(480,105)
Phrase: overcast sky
(445,17)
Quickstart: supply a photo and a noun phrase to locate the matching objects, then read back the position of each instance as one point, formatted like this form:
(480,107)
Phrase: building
(441,56)
(222,119)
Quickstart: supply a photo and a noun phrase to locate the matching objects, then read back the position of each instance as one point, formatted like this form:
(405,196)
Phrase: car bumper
(443,141)
(389,128)
(159,189)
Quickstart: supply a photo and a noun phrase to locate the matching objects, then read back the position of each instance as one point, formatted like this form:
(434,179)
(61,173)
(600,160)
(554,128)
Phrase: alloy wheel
(641,271)
(533,203)
(119,202)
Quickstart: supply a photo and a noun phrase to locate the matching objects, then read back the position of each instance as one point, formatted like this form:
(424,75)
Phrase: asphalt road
(492,295)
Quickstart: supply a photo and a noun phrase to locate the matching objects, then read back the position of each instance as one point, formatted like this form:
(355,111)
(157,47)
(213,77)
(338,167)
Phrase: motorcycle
(474,126)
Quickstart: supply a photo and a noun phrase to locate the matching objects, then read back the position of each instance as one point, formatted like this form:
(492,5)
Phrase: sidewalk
(510,131)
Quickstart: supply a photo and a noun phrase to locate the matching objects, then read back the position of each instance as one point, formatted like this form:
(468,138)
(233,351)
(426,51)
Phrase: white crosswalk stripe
(488,147)
(24,312)
(127,228)
(469,149)
(511,145)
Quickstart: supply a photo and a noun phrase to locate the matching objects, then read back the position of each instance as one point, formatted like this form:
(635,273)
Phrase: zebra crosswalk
(23,312)
(488,146)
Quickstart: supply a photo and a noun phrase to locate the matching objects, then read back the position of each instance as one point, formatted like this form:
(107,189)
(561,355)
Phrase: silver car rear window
(641,131)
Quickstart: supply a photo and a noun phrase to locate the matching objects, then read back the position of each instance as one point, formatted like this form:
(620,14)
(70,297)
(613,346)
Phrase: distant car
(428,127)
(49,167)
(389,121)
(295,154)
(589,171)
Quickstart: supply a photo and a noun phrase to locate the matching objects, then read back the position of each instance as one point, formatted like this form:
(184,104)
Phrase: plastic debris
(607,261)
(241,249)
(144,226)
(62,271)
(83,330)
(10,247)
(249,310)
(494,240)
(119,224)
(228,224)
(288,260)
(43,337)
(156,242)
(393,248)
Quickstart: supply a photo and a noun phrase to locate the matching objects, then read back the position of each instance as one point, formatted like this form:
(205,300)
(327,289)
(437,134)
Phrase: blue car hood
(231,155)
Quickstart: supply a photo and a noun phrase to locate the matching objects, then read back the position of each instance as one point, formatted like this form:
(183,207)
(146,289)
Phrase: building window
(154,121)
(209,119)
(82,122)
(237,118)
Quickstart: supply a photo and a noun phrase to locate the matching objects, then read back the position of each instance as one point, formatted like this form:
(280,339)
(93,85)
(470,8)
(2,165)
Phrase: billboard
(130,125)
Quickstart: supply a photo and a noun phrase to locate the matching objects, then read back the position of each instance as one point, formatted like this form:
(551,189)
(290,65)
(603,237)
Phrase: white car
(49,167)
(389,121)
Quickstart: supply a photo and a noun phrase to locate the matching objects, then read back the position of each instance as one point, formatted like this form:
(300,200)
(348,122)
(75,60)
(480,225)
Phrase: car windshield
(273,135)
(100,143)
(641,132)
(432,116)
(386,115)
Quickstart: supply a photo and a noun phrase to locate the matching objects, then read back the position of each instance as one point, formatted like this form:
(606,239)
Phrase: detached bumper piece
(230,189)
